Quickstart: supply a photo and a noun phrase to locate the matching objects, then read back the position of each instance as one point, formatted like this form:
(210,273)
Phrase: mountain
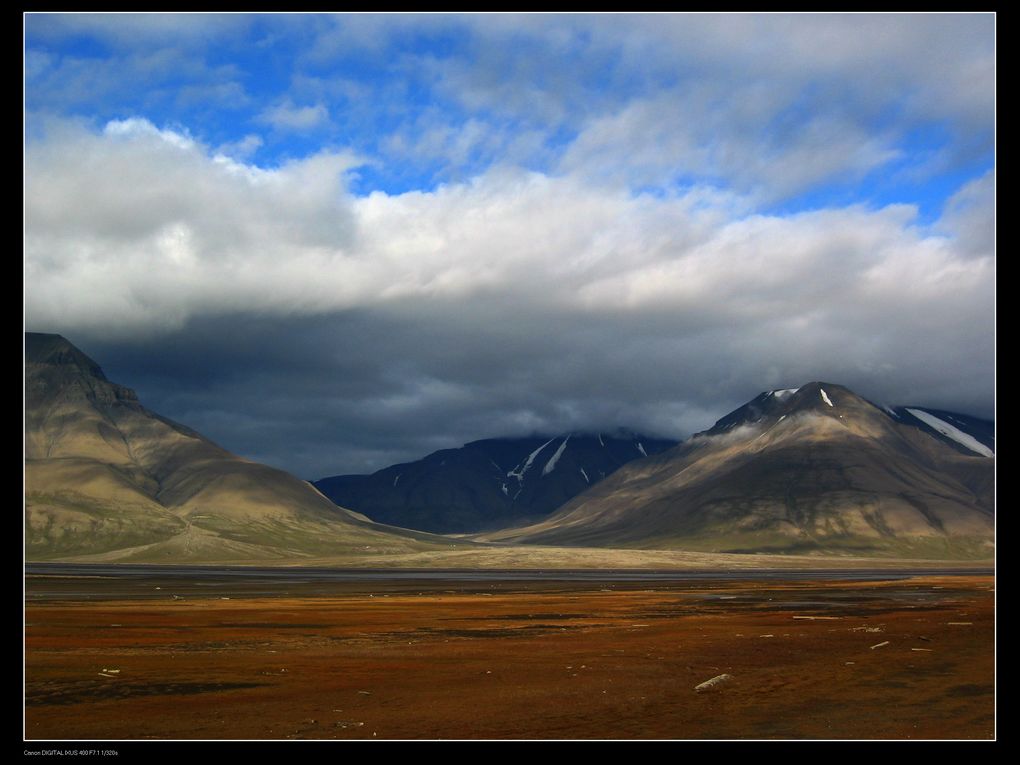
(491,483)
(813,469)
(106,477)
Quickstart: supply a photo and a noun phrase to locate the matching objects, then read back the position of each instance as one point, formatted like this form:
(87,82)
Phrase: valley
(422,657)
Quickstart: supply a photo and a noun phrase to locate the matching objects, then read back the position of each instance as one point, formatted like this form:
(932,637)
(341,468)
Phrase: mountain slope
(106,476)
(817,469)
(490,483)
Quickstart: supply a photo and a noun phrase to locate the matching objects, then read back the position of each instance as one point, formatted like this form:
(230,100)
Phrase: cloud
(139,228)
(730,136)
(287,116)
(241,150)
(771,105)
(132,31)
(969,216)
(293,322)
(173,81)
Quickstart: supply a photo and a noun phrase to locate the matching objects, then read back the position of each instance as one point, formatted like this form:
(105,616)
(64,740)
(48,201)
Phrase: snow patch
(519,474)
(551,464)
(641,449)
(825,396)
(397,479)
(505,492)
(600,440)
(949,431)
(586,479)
(785,393)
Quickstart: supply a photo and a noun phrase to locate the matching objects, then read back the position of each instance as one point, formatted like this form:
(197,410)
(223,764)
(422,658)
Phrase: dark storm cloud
(358,390)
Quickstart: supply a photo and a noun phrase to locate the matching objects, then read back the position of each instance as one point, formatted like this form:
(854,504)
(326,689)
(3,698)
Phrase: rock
(709,684)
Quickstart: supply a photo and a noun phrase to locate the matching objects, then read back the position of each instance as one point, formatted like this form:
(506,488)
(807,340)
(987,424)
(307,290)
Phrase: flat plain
(595,655)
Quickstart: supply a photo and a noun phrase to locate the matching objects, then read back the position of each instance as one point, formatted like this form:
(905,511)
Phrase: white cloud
(717,130)
(287,116)
(137,127)
(139,228)
(969,216)
(242,149)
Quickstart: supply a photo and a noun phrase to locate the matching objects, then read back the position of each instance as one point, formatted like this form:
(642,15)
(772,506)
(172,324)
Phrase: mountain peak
(56,369)
(818,397)
(56,350)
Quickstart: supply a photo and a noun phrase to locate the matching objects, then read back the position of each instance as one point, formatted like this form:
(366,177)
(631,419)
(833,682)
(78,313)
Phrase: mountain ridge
(491,482)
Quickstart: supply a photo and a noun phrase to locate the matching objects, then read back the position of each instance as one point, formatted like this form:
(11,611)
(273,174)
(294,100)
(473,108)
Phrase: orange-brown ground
(539,660)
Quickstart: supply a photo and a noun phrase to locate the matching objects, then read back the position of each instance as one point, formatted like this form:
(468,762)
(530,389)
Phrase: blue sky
(425,100)
(768,189)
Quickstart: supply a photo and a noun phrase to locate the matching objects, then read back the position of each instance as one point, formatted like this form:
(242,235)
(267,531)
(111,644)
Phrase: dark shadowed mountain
(491,483)
(105,477)
(816,469)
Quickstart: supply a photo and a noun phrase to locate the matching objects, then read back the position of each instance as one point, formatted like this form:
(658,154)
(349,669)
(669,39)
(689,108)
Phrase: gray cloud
(969,216)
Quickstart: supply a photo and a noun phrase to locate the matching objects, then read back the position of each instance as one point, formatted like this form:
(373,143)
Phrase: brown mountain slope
(791,472)
(106,477)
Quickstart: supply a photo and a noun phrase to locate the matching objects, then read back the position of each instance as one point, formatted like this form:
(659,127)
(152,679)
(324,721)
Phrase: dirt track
(886,659)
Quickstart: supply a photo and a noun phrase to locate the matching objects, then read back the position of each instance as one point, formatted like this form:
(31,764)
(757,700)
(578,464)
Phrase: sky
(336,242)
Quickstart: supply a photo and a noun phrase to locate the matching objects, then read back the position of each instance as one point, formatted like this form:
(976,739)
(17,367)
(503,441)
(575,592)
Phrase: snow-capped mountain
(487,484)
(813,469)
